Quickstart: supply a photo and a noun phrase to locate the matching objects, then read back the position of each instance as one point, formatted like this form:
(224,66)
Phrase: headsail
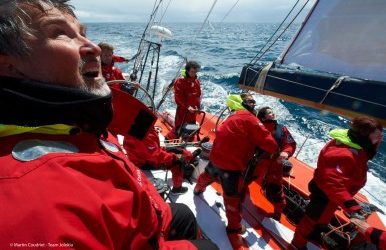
(336,62)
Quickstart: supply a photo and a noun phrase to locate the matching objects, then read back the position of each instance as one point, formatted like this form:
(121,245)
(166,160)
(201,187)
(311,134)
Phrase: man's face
(192,72)
(250,101)
(107,56)
(61,54)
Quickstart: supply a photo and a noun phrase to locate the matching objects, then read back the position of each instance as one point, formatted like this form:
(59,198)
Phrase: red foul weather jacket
(89,198)
(286,144)
(110,73)
(149,151)
(187,92)
(236,141)
(341,172)
(118,59)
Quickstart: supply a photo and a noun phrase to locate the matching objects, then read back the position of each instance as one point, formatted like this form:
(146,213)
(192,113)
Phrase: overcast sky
(183,10)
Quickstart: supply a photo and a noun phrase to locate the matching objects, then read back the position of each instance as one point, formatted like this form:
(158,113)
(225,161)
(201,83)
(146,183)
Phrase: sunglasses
(251,101)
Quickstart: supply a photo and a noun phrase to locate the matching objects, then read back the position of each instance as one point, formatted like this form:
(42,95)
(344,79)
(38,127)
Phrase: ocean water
(222,50)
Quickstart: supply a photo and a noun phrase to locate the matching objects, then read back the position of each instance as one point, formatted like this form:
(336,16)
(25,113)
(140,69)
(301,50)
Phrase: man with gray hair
(64,181)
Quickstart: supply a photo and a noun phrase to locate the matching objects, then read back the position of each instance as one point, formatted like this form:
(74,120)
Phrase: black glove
(175,150)
(368,208)
(179,159)
(358,215)
(287,167)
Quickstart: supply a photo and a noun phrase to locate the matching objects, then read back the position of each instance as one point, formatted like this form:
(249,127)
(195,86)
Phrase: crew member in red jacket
(109,71)
(272,169)
(374,235)
(236,141)
(341,172)
(187,94)
(148,153)
(64,182)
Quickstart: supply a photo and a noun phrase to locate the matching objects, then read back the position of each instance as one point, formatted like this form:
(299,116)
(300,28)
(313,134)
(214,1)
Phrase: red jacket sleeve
(262,137)
(118,59)
(180,93)
(288,142)
(333,178)
(377,237)
(147,151)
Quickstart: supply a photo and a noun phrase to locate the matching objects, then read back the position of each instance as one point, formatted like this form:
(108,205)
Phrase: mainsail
(336,62)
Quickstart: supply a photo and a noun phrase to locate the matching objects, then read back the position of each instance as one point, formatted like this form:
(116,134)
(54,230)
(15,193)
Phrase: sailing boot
(274,193)
(233,214)
(303,230)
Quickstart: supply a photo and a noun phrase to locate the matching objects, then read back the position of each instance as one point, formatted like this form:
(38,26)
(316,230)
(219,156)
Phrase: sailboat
(313,71)
(335,62)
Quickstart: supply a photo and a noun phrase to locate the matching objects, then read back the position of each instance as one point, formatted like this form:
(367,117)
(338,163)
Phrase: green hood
(183,73)
(341,135)
(234,102)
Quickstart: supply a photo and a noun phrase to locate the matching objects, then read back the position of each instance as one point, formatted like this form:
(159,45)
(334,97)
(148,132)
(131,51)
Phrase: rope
(258,57)
(229,11)
(260,83)
(138,60)
(335,85)
(338,228)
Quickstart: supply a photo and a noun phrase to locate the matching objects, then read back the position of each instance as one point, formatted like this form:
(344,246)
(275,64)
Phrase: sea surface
(222,49)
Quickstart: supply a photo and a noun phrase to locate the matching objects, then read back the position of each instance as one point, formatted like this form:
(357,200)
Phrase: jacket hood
(341,135)
(234,102)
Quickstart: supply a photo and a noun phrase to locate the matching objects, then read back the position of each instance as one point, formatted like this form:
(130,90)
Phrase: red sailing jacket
(111,73)
(118,59)
(91,199)
(341,172)
(377,237)
(187,92)
(147,151)
(236,141)
(275,170)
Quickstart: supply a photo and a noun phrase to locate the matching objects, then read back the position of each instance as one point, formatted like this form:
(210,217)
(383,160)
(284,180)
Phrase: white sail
(347,37)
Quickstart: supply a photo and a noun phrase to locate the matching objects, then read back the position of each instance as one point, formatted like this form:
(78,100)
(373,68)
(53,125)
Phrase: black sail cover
(336,62)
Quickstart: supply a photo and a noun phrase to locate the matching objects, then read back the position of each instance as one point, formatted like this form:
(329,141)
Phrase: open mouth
(92,74)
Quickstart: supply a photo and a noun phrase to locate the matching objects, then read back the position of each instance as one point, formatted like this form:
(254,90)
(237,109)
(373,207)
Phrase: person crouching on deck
(237,139)
(272,169)
(340,173)
(63,177)
(148,153)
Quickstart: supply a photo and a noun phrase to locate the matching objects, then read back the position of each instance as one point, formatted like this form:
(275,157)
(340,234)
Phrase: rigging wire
(278,28)
(205,21)
(138,60)
(230,10)
(258,57)
(163,14)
